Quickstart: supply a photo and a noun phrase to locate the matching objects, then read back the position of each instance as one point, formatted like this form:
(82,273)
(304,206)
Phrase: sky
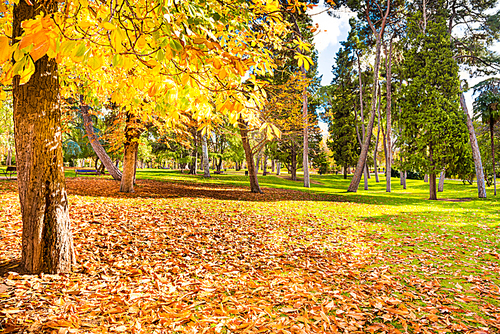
(335,30)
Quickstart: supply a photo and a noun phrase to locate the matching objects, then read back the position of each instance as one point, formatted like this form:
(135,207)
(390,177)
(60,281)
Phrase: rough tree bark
(356,178)
(432,186)
(47,242)
(476,154)
(206,161)
(132,134)
(96,145)
(249,154)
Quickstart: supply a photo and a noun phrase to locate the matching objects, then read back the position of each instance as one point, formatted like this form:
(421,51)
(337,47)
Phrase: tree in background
(434,130)
(342,97)
(487,108)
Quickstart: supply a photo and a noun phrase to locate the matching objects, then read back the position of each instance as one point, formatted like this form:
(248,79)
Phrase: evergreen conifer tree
(434,134)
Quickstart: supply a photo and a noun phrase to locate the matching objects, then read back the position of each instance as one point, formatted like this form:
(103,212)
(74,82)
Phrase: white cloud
(330,28)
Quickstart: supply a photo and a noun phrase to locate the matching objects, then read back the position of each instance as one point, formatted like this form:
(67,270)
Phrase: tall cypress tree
(340,114)
(434,134)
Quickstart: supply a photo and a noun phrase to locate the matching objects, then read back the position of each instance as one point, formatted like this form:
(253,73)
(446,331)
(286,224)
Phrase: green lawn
(201,255)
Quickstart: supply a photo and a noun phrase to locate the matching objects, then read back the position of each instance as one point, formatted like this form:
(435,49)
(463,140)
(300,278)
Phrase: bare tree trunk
(252,173)
(426,178)
(293,165)
(441,181)
(432,176)
(278,168)
(353,187)
(273,165)
(375,166)
(476,154)
(388,156)
(131,146)
(404,180)
(305,159)
(492,125)
(432,186)
(9,156)
(378,137)
(96,145)
(362,113)
(206,162)
(47,241)
(264,168)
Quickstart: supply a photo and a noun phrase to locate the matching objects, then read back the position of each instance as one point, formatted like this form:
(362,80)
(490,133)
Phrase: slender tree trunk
(432,176)
(206,162)
(375,157)
(265,166)
(9,156)
(492,125)
(293,165)
(47,242)
(96,145)
(376,143)
(278,168)
(353,187)
(476,154)
(362,115)
(426,178)
(252,173)
(305,159)
(401,177)
(273,165)
(345,172)
(404,180)
(388,156)
(441,181)
(131,146)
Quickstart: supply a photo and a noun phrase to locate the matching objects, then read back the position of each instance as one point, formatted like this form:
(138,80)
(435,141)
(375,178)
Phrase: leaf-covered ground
(202,258)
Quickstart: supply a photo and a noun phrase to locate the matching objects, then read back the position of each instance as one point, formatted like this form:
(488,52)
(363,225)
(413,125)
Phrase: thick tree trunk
(476,154)
(305,159)
(356,178)
(206,161)
(96,145)
(492,126)
(252,173)
(441,181)
(432,186)
(132,135)
(47,242)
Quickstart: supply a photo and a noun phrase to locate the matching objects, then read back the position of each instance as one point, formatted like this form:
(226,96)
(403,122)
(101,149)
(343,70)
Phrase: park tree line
(396,96)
